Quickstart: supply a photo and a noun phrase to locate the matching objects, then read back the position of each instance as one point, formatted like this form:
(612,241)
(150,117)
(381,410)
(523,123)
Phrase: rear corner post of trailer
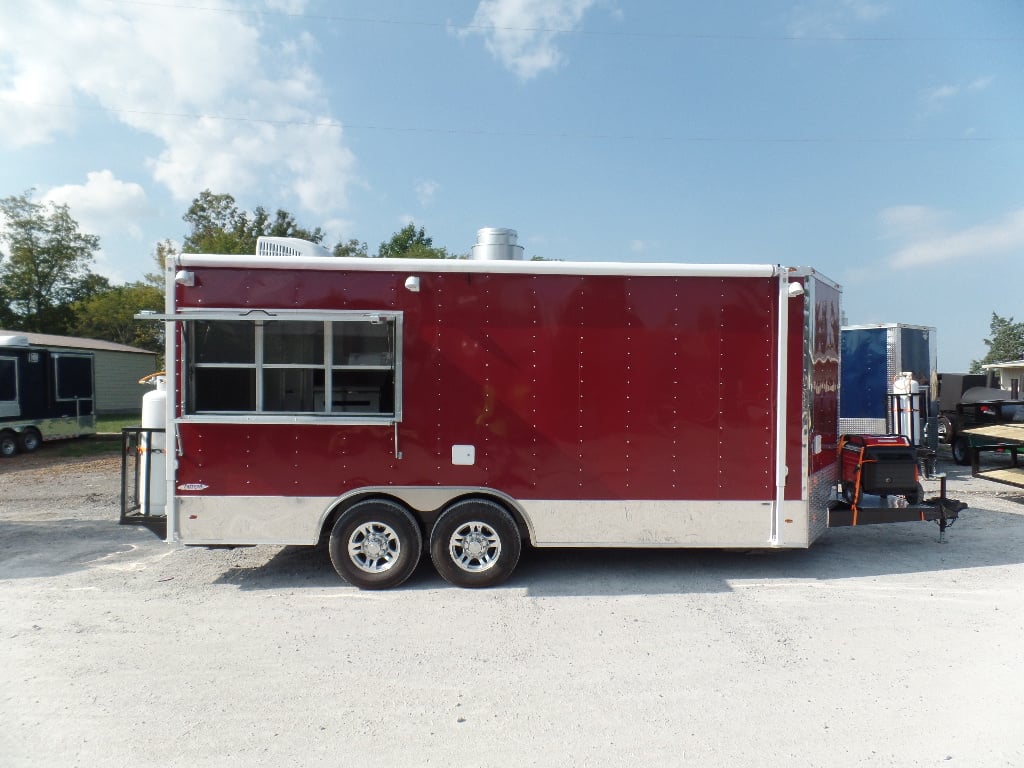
(462,409)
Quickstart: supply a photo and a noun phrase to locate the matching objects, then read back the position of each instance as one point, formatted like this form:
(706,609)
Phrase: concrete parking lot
(876,647)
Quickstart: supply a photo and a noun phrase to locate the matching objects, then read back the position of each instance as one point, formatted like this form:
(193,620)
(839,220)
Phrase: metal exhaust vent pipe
(497,244)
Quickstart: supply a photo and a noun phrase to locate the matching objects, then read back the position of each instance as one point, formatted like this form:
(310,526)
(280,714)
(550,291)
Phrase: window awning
(320,315)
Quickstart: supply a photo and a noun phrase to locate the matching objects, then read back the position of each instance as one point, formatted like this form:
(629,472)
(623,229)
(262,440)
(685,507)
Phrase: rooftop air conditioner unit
(288,246)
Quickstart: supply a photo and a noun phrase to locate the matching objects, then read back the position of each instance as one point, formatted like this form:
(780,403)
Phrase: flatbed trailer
(1008,439)
(391,407)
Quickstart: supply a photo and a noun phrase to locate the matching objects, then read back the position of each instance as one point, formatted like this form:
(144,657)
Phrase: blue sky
(879,142)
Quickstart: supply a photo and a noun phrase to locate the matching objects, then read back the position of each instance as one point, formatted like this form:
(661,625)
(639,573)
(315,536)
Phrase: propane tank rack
(141,451)
(909,414)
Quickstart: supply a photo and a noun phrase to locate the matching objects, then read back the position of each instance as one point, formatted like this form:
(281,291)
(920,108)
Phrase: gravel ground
(876,647)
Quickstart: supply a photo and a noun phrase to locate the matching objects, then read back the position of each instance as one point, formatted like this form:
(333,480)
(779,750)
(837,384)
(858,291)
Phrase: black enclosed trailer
(44,395)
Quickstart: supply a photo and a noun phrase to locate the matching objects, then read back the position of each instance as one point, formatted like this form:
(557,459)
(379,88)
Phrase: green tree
(410,243)
(1006,342)
(90,285)
(7,317)
(217,225)
(352,248)
(164,250)
(44,266)
(111,314)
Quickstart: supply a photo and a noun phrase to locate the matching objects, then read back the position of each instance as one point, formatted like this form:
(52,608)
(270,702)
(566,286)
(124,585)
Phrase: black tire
(961,449)
(945,429)
(475,543)
(8,444)
(30,440)
(376,544)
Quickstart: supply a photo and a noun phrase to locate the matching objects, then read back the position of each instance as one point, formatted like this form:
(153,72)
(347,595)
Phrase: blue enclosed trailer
(872,357)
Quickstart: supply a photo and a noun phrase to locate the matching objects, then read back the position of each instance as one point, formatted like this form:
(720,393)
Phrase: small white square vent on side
(464,454)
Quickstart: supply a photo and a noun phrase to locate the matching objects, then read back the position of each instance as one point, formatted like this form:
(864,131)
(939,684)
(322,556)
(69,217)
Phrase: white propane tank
(906,408)
(153,468)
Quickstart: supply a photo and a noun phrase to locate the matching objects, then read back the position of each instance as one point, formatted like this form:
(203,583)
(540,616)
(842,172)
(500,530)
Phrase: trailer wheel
(475,543)
(961,449)
(30,440)
(376,544)
(945,429)
(8,444)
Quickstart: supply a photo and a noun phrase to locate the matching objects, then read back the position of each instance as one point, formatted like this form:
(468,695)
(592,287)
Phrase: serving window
(8,380)
(345,366)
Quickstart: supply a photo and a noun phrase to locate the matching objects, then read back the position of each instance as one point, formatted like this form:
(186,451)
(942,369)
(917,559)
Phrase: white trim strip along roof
(427,266)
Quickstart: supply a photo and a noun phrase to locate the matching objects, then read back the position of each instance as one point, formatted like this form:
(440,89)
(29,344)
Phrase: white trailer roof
(427,266)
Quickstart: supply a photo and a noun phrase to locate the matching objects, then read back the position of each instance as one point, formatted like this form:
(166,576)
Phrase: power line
(530,134)
(644,34)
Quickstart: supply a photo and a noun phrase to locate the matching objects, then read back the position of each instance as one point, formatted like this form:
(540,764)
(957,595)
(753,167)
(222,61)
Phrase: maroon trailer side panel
(569,387)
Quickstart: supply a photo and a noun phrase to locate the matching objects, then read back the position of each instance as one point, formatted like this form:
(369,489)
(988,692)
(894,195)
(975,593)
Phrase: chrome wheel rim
(374,547)
(474,547)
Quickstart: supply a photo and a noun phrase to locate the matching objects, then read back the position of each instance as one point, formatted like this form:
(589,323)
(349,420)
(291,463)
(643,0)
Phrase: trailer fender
(425,504)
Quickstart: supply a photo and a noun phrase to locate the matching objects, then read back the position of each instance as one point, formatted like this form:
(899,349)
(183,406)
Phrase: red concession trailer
(462,407)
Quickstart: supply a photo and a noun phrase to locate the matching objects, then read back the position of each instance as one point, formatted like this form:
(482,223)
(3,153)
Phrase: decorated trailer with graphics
(464,408)
(45,394)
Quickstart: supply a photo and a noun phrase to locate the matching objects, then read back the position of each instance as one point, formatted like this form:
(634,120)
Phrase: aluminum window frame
(257,318)
(55,359)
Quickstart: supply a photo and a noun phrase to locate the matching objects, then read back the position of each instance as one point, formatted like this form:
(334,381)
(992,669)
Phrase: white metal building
(1011,376)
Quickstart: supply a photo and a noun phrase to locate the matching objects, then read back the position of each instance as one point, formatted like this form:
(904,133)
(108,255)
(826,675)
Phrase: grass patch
(107,441)
(79,447)
(113,422)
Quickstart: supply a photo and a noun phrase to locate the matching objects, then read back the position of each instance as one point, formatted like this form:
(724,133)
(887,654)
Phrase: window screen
(339,367)
(8,379)
(74,377)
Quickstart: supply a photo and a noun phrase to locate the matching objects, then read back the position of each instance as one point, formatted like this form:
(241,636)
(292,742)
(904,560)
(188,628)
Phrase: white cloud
(231,104)
(833,19)
(425,191)
(641,246)
(911,221)
(865,10)
(939,94)
(522,34)
(104,205)
(338,230)
(926,243)
(937,97)
(294,7)
(112,209)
